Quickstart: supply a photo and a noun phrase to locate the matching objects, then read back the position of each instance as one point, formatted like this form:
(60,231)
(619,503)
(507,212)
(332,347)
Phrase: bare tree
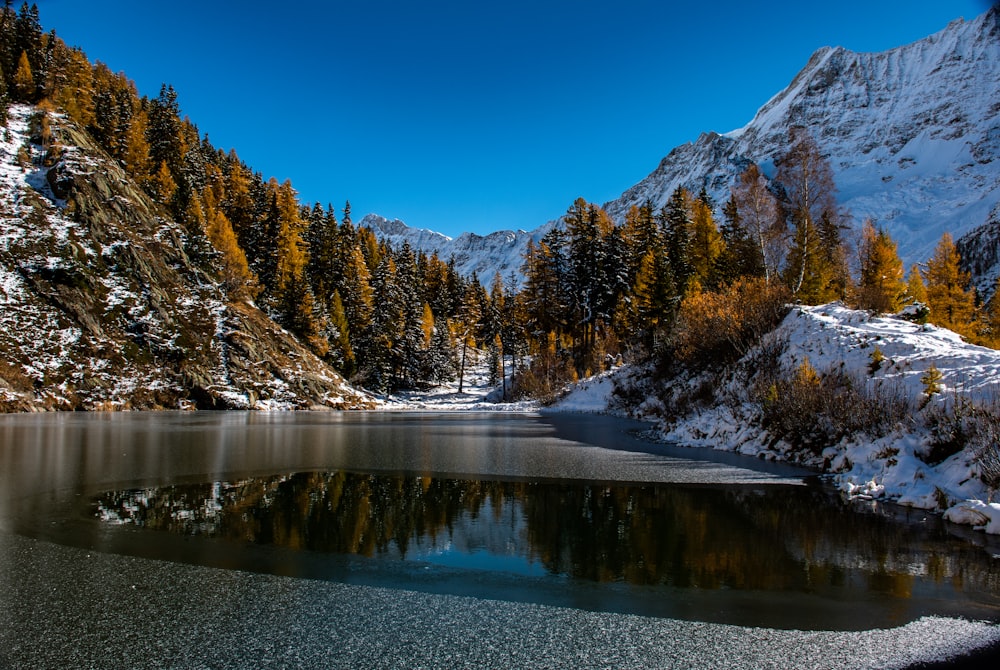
(759,213)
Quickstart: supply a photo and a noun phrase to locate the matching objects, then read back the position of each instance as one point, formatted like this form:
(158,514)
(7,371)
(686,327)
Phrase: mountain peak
(911,134)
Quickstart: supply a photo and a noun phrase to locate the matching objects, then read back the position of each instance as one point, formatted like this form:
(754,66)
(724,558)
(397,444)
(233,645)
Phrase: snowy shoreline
(833,337)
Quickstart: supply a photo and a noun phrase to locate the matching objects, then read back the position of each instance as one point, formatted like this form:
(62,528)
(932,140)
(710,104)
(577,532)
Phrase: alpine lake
(548,510)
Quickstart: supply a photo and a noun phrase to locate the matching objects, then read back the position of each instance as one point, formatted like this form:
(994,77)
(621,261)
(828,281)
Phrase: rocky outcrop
(107,304)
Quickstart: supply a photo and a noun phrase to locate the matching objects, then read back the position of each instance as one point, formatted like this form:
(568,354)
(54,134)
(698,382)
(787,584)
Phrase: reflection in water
(708,538)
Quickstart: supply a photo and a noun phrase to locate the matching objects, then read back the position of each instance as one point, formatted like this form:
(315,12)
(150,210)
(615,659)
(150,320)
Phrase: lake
(552,511)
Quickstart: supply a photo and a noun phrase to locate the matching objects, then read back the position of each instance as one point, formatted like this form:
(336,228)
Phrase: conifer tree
(237,280)
(880,286)
(24,81)
(162,185)
(466,324)
(357,293)
(338,335)
(951,303)
(383,330)
(675,221)
(916,292)
(706,243)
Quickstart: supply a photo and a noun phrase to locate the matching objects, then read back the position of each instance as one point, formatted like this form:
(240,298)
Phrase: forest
(695,282)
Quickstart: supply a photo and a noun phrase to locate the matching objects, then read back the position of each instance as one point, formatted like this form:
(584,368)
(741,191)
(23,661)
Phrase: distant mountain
(105,304)
(502,251)
(912,134)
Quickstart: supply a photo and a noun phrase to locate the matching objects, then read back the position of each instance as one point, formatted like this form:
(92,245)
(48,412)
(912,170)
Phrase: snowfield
(835,337)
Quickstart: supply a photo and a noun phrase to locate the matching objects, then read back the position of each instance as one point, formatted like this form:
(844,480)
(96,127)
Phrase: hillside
(106,304)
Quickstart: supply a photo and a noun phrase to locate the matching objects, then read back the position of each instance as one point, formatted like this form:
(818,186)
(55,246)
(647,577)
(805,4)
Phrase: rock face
(912,135)
(105,304)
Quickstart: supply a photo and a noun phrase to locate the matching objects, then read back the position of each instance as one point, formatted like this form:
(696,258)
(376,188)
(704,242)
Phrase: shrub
(813,411)
(962,423)
(720,327)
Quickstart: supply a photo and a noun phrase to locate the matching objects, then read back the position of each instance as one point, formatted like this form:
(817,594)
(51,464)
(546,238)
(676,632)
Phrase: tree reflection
(773,538)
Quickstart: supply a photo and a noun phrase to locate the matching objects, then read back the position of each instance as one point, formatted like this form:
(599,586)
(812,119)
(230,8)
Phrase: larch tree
(951,302)
(706,244)
(24,80)
(881,288)
(916,292)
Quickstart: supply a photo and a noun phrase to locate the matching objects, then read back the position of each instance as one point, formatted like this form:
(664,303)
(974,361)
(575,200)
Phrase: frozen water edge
(68,607)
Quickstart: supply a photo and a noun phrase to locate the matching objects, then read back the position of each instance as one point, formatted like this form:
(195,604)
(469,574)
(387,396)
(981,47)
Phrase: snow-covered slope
(502,251)
(912,134)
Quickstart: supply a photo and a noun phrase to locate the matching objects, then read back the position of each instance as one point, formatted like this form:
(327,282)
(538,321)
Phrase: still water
(565,510)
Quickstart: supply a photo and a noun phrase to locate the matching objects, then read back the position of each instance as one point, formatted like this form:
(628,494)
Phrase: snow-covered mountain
(912,135)
(502,251)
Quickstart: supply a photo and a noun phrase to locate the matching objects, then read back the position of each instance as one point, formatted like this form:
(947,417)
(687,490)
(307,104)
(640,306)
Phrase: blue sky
(475,115)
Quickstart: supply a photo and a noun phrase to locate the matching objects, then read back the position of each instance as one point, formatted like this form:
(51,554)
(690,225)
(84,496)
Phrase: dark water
(569,510)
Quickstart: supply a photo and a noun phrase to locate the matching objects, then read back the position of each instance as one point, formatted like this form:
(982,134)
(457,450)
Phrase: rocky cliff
(106,304)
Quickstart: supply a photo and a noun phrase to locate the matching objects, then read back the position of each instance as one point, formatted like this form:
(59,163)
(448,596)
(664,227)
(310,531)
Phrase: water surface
(564,510)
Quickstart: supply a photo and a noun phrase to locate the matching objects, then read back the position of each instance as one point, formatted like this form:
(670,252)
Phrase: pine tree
(880,286)
(952,305)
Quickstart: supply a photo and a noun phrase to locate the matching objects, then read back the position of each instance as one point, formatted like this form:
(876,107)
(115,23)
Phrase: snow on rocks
(981,515)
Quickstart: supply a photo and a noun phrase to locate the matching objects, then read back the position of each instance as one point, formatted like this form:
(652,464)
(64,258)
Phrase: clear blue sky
(473,115)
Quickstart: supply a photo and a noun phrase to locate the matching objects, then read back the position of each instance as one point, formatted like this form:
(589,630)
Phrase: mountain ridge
(921,120)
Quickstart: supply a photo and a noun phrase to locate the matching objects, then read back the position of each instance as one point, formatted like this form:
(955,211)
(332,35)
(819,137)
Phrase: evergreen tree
(383,330)
(675,221)
(164,132)
(409,348)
